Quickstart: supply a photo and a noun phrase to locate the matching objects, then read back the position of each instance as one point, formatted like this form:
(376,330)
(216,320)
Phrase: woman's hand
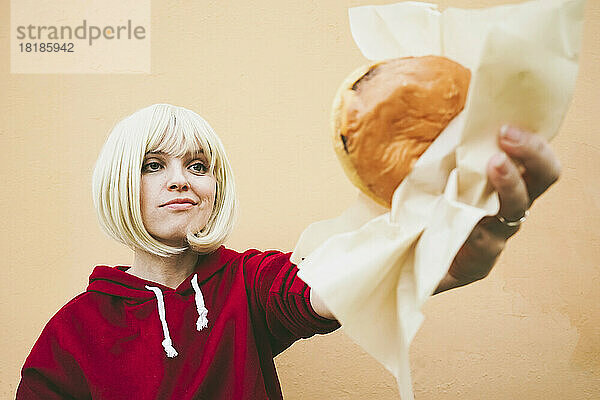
(530,168)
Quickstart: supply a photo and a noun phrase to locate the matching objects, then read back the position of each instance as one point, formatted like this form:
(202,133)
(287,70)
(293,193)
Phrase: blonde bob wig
(175,131)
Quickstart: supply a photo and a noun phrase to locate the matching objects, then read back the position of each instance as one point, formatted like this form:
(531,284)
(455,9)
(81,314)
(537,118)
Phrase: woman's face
(177,196)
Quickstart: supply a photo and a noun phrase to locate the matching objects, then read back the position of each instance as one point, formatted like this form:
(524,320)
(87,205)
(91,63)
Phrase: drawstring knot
(169,349)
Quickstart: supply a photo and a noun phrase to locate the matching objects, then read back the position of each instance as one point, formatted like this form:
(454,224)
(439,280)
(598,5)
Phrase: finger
(540,167)
(506,179)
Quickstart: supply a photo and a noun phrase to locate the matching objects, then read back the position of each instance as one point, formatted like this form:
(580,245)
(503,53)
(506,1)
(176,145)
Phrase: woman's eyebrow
(196,155)
(155,154)
(188,156)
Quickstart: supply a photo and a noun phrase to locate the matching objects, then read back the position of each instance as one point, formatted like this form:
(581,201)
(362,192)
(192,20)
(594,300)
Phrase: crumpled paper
(375,268)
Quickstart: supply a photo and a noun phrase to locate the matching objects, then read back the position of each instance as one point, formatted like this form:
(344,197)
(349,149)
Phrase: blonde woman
(190,318)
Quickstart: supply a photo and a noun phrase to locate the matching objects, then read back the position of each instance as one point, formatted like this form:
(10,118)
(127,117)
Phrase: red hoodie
(111,342)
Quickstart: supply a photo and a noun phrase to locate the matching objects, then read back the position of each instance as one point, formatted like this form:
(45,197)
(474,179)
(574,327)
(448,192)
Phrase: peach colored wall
(264,76)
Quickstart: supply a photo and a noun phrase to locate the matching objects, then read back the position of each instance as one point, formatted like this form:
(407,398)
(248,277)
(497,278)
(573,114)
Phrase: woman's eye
(152,166)
(199,167)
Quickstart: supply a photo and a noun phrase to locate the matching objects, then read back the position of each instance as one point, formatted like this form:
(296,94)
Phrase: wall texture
(264,76)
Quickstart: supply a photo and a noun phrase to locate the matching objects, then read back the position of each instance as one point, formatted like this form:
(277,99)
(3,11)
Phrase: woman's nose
(177,180)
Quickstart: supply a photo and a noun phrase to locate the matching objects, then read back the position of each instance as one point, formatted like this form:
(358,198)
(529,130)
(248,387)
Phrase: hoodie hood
(115,281)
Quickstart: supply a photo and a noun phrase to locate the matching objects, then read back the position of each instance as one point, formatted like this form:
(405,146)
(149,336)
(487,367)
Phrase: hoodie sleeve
(50,371)
(284,299)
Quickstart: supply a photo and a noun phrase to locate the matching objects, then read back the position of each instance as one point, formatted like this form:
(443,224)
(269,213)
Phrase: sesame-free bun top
(385,115)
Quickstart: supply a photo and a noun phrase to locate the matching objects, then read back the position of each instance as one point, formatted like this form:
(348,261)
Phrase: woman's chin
(173,241)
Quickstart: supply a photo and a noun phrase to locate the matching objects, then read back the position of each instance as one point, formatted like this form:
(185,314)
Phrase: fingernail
(510,134)
(499,162)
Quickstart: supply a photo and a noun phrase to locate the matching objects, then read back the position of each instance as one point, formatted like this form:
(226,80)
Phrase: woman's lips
(182,203)
(179,206)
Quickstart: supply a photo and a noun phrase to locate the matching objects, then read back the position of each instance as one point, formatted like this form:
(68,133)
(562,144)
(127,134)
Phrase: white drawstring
(202,321)
(167,343)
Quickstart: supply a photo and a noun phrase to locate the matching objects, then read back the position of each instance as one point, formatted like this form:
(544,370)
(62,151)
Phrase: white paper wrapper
(373,267)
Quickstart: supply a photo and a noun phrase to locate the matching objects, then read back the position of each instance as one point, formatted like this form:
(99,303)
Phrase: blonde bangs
(177,132)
